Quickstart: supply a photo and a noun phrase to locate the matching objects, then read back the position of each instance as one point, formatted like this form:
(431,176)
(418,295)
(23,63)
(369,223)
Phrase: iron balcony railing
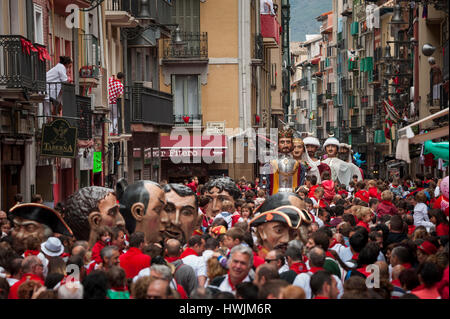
(158,10)
(22,65)
(119,5)
(303,82)
(193,45)
(76,109)
(151,106)
(186,120)
(90,56)
(354,121)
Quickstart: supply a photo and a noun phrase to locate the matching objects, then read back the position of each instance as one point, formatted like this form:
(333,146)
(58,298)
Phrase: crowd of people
(230,239)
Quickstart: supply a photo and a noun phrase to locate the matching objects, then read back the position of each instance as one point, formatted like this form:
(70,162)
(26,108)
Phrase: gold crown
(286,133)
(297,140)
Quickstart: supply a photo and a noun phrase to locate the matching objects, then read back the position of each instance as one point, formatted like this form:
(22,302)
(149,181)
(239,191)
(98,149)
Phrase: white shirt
(207,254)
(197,263)
(56,74)
(225,285)
(266,7)
(302,281)
(437,192)
(146,272)
(421,216)
(283,268)
(226,216)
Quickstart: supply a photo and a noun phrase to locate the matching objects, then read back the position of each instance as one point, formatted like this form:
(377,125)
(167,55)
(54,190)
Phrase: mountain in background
(303,17)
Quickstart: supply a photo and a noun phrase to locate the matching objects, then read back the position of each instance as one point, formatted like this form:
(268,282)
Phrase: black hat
(42,214)
(270,216)
(294,213)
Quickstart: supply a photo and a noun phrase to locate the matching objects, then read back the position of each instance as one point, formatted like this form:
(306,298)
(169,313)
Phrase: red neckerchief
(320,297)
(407,265)
(386,202)
(315,269)
(328,254)
(355,256)
(30,252)
(396,283)
(411,229)
(420,287)
(171,259)
(63,255)
(298,267)
(233,288)
(123,288)
(187,252)
(363,271)
(333,243)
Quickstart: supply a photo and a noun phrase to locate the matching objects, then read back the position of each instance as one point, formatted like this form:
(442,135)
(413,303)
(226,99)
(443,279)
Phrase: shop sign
(59,139)
(215,128)
(97,167)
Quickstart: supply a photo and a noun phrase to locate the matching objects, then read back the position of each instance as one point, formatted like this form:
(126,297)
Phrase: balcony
(347,10)
(90,60)
(369,120)
(321,99)
(354,123)
(303,82)
(159,11)
(193,47)
(119,13)
(76,109)
(270,30)
(151,106)
(187,120)
(22,69)
(364,101)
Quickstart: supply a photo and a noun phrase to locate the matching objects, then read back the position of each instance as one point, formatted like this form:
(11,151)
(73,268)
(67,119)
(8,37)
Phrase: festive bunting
(27,46)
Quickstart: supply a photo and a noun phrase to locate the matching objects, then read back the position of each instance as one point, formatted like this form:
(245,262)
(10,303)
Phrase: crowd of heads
(229,239)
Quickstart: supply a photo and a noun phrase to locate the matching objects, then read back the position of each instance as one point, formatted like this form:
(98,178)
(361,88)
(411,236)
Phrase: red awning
(315,60)
(192,146)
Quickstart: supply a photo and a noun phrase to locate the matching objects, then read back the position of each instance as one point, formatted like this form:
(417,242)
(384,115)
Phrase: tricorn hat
(270,216)
(294,214)
(42,214)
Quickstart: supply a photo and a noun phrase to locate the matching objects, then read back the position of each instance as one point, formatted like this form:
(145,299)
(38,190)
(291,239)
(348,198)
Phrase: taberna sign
(59,139)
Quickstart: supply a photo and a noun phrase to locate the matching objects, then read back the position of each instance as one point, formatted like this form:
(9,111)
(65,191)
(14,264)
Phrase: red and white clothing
(227,285)
(133,261)
(115,89)
(363,195)
(14,288)
(173,283)
(302,280)
(191,258)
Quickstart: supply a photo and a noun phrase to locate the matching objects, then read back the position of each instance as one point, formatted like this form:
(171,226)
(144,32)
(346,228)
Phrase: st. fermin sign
(59,139)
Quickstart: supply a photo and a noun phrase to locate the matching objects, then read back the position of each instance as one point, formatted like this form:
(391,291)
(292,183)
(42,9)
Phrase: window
(185,90)
(138,64)
(38,28)
(186,13)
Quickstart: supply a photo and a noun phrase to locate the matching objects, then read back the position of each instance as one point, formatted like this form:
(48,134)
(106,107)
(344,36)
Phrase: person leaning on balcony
(115,90)
(266,7)
(57,74)
(435,78)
